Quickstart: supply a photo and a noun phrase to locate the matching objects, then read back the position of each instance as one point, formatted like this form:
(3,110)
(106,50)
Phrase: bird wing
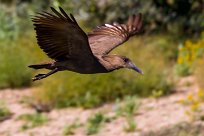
(105,38)
(60,36)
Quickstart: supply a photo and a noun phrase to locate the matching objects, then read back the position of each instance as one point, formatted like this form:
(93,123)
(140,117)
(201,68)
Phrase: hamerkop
(62,39)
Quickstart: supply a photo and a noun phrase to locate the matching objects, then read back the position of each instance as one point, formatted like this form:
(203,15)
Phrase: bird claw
(39,77)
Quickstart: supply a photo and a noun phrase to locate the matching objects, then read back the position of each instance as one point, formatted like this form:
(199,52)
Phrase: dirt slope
(152,115)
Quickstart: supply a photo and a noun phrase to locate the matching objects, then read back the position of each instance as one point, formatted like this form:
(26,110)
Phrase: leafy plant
(128,108)
(130,125)
(33,120)
(15,59)
(194,102)
(4,111)
(188,55)
(69,129)
(94,123)
(175,16)
(183,70)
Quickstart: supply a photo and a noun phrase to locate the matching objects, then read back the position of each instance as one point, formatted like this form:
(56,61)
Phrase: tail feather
(40,66)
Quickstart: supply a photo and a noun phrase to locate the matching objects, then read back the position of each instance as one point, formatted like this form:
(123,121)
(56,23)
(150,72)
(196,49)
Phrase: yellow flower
(180,60)
(195,106)
(190,97)
(188,44)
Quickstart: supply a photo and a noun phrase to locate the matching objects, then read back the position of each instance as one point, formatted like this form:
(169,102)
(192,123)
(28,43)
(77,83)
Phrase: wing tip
(135,23)
(53,9)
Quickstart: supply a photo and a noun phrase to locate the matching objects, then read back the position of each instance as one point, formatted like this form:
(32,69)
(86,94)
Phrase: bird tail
(41,66)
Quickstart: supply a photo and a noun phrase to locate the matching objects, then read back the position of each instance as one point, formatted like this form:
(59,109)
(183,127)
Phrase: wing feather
(105,38)
(60,37)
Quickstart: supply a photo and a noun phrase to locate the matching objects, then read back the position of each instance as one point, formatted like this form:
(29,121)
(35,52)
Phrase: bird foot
(39,77)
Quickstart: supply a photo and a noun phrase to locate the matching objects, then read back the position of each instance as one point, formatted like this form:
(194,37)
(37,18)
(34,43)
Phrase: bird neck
(110,62)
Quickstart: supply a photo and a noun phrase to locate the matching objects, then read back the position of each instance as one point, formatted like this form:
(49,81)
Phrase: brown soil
(152,115)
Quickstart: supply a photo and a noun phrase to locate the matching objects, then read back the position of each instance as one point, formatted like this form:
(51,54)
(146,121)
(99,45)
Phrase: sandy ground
(152,115)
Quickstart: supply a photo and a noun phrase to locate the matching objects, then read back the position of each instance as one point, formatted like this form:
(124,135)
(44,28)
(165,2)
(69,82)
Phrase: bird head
(117,62)
(127,63)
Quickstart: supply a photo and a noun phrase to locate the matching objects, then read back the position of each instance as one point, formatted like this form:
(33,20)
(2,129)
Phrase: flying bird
(70,48)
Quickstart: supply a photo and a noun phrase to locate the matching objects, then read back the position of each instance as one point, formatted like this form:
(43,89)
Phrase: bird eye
(126,59)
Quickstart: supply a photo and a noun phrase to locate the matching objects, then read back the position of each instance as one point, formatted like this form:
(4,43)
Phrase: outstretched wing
(105,38)
(60,36)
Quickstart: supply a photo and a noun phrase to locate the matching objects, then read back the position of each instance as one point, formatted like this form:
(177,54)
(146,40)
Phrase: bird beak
(135,68)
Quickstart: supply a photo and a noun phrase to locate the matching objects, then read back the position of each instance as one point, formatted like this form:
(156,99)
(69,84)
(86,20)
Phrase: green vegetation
(190,59)
(130,125)
(176,16)
(15,57)
(194,102)
(94,123)
(69,129)
(127,108)
(17,43)
(190,56)
(14,71)
(33,120)
(4,111)
(16,52)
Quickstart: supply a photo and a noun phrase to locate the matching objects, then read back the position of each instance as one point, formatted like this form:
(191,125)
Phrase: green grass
(71,89)
(14,72)
(182,70)
(4,111)
(15,56)
(127,108)
(94,123)
(33,120)
(130,125)
(70,128)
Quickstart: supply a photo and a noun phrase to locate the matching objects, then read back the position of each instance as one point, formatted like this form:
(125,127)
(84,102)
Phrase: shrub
(15,57)
(69,129)
(188,56)
(71,89)
(94,122)
(176,16)
(14,71)
(194,103)
(16,44)
(128,108)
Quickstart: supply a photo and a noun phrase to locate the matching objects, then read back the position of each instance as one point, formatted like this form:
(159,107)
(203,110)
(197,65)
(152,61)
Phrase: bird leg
(41,76)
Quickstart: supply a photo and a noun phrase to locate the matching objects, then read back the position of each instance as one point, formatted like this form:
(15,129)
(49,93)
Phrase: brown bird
(62,39)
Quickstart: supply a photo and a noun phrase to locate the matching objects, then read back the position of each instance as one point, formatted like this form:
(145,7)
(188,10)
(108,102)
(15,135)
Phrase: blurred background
(170,51)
